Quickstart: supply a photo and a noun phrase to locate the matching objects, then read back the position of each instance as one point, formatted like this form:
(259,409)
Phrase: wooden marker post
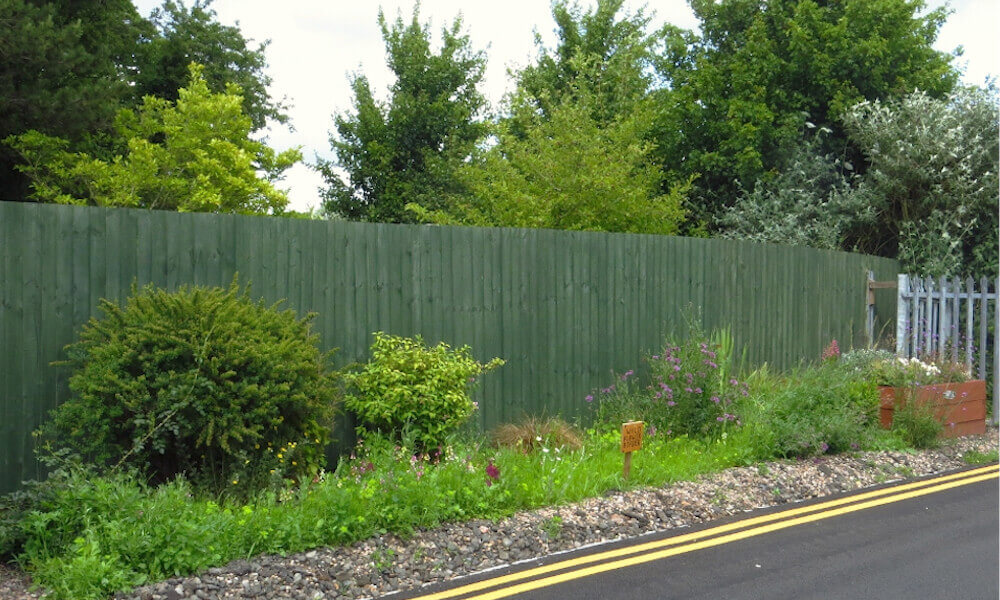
(631,441)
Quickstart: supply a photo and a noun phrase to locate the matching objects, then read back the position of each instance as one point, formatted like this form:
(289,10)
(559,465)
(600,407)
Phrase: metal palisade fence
(953,319)
(564,309)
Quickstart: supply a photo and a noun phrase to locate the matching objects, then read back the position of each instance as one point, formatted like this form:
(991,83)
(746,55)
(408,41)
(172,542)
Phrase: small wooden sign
(632,436)
(631,441)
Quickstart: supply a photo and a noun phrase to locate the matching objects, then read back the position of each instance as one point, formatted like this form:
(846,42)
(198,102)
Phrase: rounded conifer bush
(232,393)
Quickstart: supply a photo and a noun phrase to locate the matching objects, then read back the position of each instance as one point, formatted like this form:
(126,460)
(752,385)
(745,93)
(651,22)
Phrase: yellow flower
(235,481)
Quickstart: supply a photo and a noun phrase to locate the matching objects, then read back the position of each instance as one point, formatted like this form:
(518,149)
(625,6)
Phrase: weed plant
(813,410)
(917,424)
(974,457)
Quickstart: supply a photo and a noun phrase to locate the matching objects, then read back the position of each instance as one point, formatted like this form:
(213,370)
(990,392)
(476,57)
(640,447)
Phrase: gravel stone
(460,549)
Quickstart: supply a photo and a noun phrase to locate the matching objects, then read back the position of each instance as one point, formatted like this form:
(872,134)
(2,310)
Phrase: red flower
(492,473)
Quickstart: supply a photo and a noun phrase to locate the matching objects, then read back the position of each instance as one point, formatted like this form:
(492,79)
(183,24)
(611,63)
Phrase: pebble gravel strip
(382,565)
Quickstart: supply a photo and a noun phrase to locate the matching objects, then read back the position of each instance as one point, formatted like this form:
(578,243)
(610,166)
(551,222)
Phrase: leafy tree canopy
(613,52)
(64,67)
(739,94)
(932,179)
(192,34)
(192,155)
(568,171)
(71,65)
(408,149)
(928,197)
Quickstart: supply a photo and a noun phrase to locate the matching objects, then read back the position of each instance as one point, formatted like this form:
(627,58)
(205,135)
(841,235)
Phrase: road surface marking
(688,542)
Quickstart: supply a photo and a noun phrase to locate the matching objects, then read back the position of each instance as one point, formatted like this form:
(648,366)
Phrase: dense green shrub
(408,385)
(814,410)
(202,381)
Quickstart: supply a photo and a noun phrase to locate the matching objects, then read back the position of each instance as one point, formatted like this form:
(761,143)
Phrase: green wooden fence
(564,309)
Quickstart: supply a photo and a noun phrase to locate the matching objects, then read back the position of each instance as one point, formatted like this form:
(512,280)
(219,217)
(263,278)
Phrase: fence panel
(564,309)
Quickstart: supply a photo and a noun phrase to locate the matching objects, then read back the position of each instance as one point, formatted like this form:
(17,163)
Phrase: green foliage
(690,390)
(407,150)
(608,53)
(916,424)
(810,202)
(203,382)
(62,62)
(194,155)
(571,153)
(932,180)
(975,457)
(409,386)
(739,93)
(98,535)
(72,65)
(192,34)
(567,171)
(814,410)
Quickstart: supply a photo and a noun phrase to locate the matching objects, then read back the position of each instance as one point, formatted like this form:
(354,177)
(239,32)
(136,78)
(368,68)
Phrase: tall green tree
(928,197)
(739,93)
(932,179)
(192,155)
(407,150)
(567,170)
(613,51)
(65,67)
(71,65)
(193,34)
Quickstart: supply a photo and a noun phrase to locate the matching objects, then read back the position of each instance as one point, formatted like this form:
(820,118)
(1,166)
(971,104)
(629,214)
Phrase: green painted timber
(564,309)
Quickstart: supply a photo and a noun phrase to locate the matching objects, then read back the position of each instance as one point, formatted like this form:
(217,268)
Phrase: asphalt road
(938,545)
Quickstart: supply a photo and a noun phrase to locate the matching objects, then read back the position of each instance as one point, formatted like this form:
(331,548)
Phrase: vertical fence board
(983,289)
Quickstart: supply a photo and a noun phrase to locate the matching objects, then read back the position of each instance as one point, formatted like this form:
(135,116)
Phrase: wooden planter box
(960,406)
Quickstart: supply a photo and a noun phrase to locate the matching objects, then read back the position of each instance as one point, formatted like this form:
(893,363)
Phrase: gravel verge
(382,565)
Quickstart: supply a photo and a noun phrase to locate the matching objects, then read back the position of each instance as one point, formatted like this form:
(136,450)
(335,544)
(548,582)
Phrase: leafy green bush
(408,385)
(815,410)
(202,381)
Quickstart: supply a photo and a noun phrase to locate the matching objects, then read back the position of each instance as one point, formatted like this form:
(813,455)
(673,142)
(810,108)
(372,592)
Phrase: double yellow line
(575,568)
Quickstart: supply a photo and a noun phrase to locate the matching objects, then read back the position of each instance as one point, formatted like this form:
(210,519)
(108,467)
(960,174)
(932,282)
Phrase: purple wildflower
(589,398)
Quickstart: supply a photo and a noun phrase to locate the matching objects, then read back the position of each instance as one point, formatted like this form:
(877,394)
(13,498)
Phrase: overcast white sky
(316,44)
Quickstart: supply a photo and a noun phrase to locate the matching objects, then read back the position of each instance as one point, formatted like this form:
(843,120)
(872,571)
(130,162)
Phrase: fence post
(902,312)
